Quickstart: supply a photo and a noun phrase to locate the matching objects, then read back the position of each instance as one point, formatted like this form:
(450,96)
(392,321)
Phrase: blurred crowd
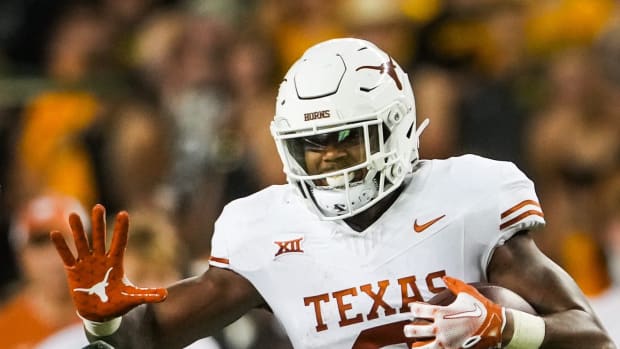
(162,108)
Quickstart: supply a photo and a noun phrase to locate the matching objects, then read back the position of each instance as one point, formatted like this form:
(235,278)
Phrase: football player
(346,254)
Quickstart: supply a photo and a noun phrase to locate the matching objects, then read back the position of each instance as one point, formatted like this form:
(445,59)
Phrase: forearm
(569,321)
(195,308)
(574,329)
(190,309)
(568,329)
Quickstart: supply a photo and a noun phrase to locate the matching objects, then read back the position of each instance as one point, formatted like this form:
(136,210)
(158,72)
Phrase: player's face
(333,151)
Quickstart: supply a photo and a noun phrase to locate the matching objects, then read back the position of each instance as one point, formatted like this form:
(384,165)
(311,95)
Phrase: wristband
(102,329)
(529,331)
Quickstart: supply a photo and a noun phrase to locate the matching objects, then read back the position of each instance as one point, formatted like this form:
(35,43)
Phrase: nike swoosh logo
(476,312)
(422,227)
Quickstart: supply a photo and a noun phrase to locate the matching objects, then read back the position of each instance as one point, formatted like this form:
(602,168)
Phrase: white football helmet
(345,94)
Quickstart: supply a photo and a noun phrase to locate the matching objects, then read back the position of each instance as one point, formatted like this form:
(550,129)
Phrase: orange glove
(97,280)
(471,321)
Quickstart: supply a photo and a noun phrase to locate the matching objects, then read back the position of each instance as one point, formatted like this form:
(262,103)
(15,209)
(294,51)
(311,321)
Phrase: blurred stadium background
(163,106)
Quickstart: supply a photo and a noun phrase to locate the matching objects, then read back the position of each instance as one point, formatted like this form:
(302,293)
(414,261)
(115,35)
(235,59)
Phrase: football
(500,295)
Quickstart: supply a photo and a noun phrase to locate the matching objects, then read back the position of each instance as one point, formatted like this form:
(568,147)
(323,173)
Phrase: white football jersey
(333,287)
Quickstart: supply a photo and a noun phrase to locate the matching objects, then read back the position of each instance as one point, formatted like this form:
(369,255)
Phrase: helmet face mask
(331,151)
(345,127)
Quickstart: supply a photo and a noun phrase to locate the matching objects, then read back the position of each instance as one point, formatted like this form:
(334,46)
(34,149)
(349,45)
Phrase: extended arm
(569,321)
(195,308)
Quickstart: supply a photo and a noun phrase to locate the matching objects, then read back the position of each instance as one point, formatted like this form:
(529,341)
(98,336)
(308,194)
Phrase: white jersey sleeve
(518,207)
(220,255)
(494,200)
(243,231)
(233,236)
(518,204)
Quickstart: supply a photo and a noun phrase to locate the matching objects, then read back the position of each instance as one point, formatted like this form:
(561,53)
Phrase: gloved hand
(471,321)
(97,279)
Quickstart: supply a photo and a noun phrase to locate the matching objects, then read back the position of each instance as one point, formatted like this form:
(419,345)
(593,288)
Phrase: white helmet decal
(386,68)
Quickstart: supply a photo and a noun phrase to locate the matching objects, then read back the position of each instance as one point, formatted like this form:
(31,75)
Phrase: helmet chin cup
(339,202)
